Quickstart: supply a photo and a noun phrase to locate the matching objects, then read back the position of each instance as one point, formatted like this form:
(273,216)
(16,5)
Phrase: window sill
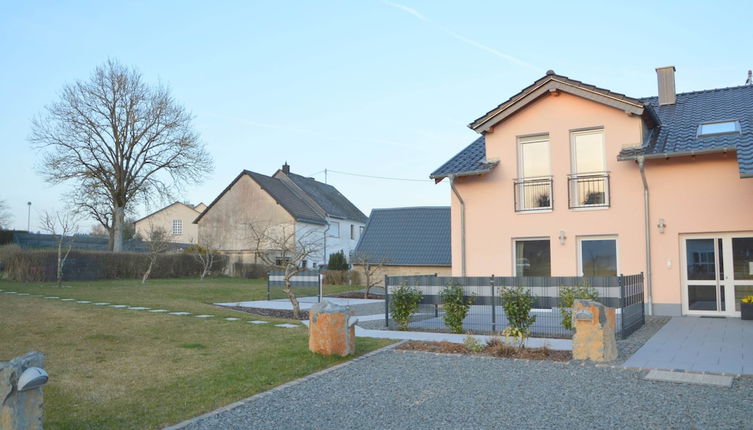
(589,208)
(535,211)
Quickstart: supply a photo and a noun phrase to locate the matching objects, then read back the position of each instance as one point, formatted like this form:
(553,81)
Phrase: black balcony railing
(533,194)
(589,190)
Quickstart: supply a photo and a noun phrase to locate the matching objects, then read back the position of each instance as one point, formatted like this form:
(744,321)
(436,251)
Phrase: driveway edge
(188,422)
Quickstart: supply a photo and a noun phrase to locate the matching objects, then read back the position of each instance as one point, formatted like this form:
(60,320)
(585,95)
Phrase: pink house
(571,179)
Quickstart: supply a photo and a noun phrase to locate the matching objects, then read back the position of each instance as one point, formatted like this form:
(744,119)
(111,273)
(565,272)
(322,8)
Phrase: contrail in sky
(460,37)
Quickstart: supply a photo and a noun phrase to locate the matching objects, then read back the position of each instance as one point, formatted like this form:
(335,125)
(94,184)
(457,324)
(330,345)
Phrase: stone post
(594,337)
(332,329)
(20,410)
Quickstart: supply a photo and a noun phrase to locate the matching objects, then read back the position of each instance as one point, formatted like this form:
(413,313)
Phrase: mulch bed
(271,313)
(495,348)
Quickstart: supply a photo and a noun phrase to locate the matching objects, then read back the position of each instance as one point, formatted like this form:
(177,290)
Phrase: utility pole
(28,218)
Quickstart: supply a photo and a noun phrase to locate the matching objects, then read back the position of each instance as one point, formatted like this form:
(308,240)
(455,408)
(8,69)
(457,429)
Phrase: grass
(120,369)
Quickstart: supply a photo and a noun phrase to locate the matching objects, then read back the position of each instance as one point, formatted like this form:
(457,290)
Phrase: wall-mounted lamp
(563,237)
(662,225)
(31,378)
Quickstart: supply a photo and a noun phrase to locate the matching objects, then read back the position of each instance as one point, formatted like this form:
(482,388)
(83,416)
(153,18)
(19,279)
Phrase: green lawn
(114,368)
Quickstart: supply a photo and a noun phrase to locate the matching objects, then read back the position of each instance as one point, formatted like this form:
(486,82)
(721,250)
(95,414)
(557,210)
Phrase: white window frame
(520,182)
(334,229)
(177,227)
(528,239)
(534,138)
(574,154)
(580,239)
(734,122)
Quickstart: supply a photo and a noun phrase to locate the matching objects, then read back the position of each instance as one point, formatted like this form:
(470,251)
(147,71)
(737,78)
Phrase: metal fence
(486,315)
(309,280)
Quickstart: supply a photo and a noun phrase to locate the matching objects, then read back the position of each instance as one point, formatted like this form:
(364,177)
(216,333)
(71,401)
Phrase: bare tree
(5,216)
(62,226)
(122,137)
(285,248)
(158,244)
(370,268)
(205,253)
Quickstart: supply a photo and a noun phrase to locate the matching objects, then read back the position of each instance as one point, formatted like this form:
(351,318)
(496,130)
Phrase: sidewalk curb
(231,406)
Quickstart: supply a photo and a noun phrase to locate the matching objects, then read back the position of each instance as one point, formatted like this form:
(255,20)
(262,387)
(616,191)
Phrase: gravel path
(416,390)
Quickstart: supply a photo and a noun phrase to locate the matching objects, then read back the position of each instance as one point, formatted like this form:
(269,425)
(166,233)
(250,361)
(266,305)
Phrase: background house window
(532,258)
(334,229)
(360,231)
(534,185)
(177,227)
(714,128)
(589,181)
(352,232)
(598,257)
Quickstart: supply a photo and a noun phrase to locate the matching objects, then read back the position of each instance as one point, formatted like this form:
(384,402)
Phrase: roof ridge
(302,194)
(410,207)
(709,90)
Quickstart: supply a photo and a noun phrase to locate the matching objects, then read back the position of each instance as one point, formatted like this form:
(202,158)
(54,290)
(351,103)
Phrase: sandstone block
(594,337)
(331,329)
(20,410)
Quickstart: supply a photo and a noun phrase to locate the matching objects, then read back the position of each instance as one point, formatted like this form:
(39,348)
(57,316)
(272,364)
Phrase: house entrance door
(717,271)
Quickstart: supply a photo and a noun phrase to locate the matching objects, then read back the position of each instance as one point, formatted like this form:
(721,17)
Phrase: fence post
(269,274)
(621,283)
(643,307)
(321,286)
(386,302)
(494,311)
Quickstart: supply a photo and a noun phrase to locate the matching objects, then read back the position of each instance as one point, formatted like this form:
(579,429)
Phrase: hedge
(39,265)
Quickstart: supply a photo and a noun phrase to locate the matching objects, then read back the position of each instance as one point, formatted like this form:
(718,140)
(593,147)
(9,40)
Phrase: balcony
(588,190)
(533,194)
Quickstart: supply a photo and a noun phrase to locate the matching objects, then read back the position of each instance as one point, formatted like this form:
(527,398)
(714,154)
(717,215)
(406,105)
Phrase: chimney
(750,78)
(285,168)
(666,79)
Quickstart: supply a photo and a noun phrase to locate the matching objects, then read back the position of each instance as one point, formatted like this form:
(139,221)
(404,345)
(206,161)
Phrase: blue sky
(370,87)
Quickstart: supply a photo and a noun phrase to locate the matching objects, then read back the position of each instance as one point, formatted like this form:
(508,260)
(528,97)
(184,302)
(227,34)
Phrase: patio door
(717,272)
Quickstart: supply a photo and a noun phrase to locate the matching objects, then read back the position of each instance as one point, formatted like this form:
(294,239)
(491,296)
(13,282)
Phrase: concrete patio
(715,345)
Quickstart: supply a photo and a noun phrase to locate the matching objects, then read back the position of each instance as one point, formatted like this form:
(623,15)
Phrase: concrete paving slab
(101,304)
(258,322)
(286,325)
(231,319)
(180,313)
(67,300)
(23,294)
(118,306)
(52,297)
(305,303)
(158,311)
(138,308)
(204,316)
(690,378)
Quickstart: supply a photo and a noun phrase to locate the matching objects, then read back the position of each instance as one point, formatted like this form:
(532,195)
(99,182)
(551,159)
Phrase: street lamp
(28,218)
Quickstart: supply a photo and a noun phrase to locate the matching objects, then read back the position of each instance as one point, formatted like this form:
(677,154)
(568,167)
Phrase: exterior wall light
(662,225)
(31,378)
(563,237)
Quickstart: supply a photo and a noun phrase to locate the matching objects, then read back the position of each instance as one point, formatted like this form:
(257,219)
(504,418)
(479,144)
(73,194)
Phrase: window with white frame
(534,185)
(597,256)
(177,227)
(589,181)
(532,257)
(334,229)
(360,231)
(717,128)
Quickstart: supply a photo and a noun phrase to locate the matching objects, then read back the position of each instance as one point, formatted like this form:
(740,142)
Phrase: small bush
(568,295)
(496,347)
(337,261)
(403,304)
(342,277)
(517,303)
(250,270)
(473,344)
(455,306)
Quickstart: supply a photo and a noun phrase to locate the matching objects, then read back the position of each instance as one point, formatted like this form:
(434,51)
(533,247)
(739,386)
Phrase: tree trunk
(117,226)
(293,300)
(148,271)
(110,238)
(60,265)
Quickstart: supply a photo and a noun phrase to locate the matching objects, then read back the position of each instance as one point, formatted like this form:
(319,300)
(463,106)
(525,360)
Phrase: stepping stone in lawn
(83,302)
(232,319)
(287,325)
(258,322)
(204,316)
(52,297)
(67,300)
(23,294)
(101,304)
(118,306)
(9,292)
(138,308)
(180,313)
(158,310)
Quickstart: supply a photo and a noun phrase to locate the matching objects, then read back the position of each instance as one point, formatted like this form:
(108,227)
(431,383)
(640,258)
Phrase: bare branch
(62,225)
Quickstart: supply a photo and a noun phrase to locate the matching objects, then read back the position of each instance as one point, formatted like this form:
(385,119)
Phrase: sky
(367,87)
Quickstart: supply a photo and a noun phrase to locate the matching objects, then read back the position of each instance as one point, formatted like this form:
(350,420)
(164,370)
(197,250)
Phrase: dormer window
(717,128)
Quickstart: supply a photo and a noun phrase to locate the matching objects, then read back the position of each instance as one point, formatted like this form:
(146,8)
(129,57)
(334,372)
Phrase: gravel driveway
(417,390)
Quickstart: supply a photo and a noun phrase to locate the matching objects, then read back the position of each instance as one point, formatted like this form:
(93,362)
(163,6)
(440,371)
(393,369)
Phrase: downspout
(647,227)
(462,225)
(324,257)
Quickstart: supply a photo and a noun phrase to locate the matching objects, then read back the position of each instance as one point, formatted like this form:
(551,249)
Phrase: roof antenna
(750,78)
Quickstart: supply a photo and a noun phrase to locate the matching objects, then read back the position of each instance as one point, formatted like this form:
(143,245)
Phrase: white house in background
(315,209)
(176,219)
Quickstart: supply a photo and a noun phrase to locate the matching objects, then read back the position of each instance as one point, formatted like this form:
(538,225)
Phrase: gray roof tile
(471,160)
(295,205)
(332,201)
(413,236)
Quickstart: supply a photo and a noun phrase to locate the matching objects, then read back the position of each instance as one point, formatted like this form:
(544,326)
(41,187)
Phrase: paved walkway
(715,345)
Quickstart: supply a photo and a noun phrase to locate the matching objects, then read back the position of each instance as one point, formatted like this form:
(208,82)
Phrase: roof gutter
(665,155)
(462,225)
(647,228)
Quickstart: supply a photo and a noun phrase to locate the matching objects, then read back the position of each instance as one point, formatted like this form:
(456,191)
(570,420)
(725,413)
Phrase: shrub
(517,303)
(6,251)
(250,270)
(568,295)
(497,348)
(403,304)
(472,344)
(342,277)
(337,261)
(455,306)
